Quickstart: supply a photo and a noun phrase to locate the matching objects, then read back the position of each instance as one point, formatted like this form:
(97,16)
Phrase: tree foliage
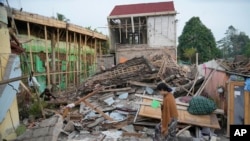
(61,17)
(234,43)
(189,53)
(196,35)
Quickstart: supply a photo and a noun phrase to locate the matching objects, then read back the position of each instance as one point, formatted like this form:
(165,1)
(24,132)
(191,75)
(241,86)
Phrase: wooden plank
(149,97)
(98,110)
(46,21)
(142,84)
(217,111)
(184,117)
(27,89)
(246,107)
(182,107)
(116,90)
(182,130)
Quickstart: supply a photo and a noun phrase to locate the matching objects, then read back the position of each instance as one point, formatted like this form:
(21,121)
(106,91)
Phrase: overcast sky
(217,15)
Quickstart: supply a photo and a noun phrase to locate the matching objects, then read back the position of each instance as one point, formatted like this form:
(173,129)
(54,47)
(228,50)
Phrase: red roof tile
(142,8)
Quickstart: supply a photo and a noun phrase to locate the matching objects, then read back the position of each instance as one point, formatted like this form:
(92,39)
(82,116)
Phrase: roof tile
(142,8)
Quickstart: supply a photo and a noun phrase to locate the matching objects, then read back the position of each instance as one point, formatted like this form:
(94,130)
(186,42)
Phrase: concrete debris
(97,121)
(48,129)
(78,126)
(109,101)
(113,134)
(69,127)
(117,99)
(117,116)
(129,128)
(123,95)
(149,90)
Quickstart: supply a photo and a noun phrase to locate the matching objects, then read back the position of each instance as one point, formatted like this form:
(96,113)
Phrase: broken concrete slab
(129,128)
(48,129)
(123,95)
(96,122)
(114,134)
(69,127)
(117,116)
(109,101)
(149,90)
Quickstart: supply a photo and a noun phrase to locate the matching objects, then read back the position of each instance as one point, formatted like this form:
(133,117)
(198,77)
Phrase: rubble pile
(156,68)
(240,65)
(118,103)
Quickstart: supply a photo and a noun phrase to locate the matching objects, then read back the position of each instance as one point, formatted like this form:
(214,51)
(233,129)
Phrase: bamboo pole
(85,57)
(47,56)
(95,55)
(74,61)
(58,55)
(31,56)
(100,54)
(79,59)
(66,76)
(69,64)
(53,51)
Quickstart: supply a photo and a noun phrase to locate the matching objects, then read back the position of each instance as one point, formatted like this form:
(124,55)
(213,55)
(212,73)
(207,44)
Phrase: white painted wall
(161,31)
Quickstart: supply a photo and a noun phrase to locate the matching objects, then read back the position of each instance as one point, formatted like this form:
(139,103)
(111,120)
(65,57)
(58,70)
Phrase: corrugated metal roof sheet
(142,8)
(8,91)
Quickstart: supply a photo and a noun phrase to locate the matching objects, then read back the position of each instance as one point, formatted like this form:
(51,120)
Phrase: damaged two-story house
(140,29)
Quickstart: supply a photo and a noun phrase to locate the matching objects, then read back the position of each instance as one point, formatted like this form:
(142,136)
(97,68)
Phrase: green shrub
(36,110)
(20,129)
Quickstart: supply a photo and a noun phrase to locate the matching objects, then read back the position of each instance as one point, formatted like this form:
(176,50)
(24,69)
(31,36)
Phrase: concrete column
(5,49)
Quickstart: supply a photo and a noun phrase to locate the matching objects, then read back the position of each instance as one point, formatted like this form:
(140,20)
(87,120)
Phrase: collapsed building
(119,102)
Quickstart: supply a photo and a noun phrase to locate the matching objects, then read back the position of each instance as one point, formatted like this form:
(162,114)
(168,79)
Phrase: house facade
(140,29)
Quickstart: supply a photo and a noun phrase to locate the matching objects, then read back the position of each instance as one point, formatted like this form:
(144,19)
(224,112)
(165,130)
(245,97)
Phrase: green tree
(61,17)
(189,53)
(195,34)
(247,50)
(234,43)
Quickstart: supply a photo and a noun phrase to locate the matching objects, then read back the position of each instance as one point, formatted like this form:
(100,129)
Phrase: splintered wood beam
(98,111)
(116,90)
(136,83)
(87,96)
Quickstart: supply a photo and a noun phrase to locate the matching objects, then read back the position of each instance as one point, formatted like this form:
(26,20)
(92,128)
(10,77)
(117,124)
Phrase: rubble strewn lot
(111,105)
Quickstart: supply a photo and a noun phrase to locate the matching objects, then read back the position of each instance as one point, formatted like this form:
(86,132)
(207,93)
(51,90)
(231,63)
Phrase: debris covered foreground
(121,103)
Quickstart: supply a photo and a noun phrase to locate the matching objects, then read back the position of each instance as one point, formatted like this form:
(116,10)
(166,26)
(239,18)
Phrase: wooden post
(58,55)
(85,57)
(31,56)
(246,107)
(197,61)
(69,64)
(75,65)
(66,76)
(79,59)
(47,57)
(95,55)
(100,53)
(53,51)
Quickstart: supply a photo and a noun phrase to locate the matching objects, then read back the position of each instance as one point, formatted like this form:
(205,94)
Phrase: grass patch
(20,129)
